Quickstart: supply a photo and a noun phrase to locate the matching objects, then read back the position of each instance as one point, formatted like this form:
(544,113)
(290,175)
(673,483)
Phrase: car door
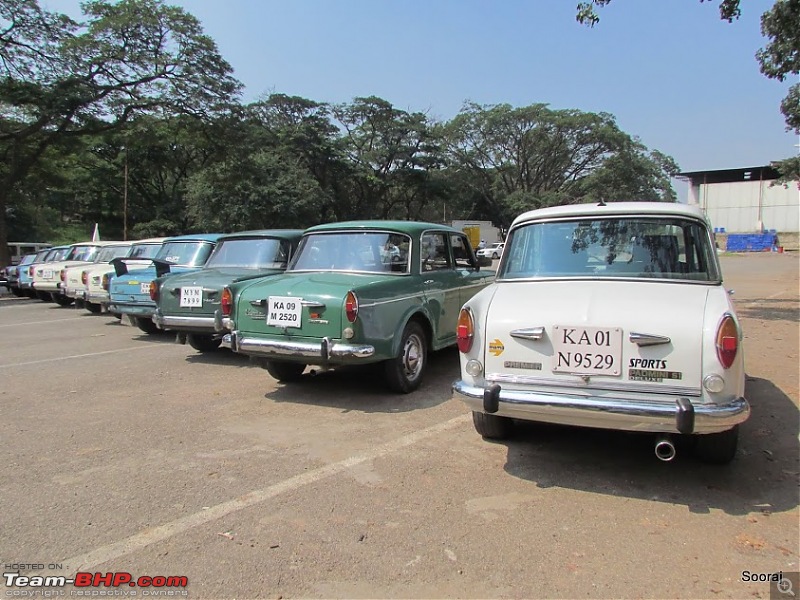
(442,283)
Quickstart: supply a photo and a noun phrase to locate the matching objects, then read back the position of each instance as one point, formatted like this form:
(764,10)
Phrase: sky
(672,73)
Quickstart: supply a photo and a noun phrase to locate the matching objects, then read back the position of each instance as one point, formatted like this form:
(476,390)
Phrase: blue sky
(671,72)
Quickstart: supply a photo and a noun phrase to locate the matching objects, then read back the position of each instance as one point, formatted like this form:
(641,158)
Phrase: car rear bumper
(677,415)
(136,309)
(205,324)
(315,352)
(96,297)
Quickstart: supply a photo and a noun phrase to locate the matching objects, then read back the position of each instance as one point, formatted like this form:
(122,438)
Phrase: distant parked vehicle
(492,251)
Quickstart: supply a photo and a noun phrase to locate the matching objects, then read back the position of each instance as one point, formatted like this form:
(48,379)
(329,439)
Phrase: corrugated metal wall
(747,206)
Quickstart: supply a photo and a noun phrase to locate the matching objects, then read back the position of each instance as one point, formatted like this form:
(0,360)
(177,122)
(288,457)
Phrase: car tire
(62,300)
(17,292)
(44,296)
(283,371)
(492,427)
(146,325)
(405,372)
(717,448)
(203,343)
(93,308)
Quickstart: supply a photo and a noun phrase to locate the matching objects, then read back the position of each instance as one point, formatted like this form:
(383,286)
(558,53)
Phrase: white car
(611,316)
(492,250)
(48,278)
(74,279)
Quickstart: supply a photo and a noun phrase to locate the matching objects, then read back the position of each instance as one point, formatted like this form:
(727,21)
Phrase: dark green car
(189,303)
(355,293)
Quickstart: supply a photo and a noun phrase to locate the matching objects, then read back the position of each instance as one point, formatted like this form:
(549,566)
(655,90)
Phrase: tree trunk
(5,259)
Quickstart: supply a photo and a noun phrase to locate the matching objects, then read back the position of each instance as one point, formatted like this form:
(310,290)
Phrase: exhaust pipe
(665,449)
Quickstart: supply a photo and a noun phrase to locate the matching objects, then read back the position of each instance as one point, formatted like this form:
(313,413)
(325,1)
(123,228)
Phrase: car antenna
(601,203)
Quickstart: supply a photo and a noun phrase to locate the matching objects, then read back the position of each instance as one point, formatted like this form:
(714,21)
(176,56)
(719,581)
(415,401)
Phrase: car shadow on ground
(775,309)
(363,388)
(762,478)
(221,356)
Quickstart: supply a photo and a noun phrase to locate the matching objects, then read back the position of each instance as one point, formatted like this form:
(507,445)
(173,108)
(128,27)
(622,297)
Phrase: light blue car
(130,292)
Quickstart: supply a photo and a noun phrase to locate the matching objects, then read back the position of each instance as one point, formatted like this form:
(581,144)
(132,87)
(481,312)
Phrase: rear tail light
(465,330)
(85,278)
(106,281)
(63,275)
(30,271)
(351,306)
(727,341)
(153,291)
(226,302)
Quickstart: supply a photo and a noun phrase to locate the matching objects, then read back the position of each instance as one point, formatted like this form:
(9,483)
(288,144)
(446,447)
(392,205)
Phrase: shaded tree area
(132,120)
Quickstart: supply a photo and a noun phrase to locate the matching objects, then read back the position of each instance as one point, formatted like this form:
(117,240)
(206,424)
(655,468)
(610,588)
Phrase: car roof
(278,233)
(409,227)
(158,240)
(612,208)
(195,237)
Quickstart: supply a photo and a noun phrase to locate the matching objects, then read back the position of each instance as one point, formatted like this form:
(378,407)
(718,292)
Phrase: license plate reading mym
(587,350)
(284,311)
(144,287)
(191,297)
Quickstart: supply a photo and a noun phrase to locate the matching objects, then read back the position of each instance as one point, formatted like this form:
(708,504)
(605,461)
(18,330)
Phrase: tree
(62,79)
(534,156)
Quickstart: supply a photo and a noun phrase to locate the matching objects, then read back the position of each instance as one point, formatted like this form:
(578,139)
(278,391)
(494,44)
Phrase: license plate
(587,350)
(191,297)
(47,274)
(144,287)
(283,311)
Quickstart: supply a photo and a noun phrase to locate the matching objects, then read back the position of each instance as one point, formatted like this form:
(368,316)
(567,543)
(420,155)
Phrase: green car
(355,293)
(189,303)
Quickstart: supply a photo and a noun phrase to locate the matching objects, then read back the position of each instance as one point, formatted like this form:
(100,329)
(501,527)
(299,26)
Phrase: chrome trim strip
(529,333)
(300,349)
(380,302)
(648,339)
(606,412)
(578,387)
(167,321)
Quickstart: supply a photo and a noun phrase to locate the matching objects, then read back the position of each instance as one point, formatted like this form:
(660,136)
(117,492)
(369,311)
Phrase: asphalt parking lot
(124,452)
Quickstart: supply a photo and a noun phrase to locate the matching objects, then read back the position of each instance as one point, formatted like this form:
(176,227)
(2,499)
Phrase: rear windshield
(109,253)
(658,248)
(55,255)
(144,250)
(27,259)
(187,254)
(82,253)
(251,253)
(370,251)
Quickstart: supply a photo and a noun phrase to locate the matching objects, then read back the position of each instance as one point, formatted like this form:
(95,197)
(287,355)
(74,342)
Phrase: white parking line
(44,322)
(47,360)
(92,559)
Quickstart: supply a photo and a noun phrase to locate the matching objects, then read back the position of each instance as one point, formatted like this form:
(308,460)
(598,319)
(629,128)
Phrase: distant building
(745,200)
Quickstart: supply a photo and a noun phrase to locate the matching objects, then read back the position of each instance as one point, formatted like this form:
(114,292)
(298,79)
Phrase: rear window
(251,253)
(638,247)
(188,254)
(86,253)
(144,250)
(109,253)
(366,251)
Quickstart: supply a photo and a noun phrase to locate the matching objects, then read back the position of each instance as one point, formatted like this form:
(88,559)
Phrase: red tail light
(465,330)
(153,291)
(351,306)
(226,302)
(106,281)
(727,341)
(85,278)
(63,275)
(30,271)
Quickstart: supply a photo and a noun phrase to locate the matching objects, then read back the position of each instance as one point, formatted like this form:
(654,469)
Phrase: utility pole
(125,200)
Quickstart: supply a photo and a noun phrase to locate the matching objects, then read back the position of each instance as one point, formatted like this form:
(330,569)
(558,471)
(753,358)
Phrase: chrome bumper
(137,309)
(677,416)
(324,350)
(96,298)
(73,293)
(194,323)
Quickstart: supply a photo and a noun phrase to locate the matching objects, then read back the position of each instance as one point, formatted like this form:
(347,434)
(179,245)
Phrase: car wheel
(491,427)
(17,292)
(44,296)
(62,300)
(146,325)
(203,343)
(93,308)
(284,371)
(404,372)
(717,448)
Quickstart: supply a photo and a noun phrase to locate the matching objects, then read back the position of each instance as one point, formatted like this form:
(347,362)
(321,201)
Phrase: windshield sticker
(650,375)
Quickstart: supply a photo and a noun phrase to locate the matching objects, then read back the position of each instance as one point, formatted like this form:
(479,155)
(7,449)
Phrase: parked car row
(609,315)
